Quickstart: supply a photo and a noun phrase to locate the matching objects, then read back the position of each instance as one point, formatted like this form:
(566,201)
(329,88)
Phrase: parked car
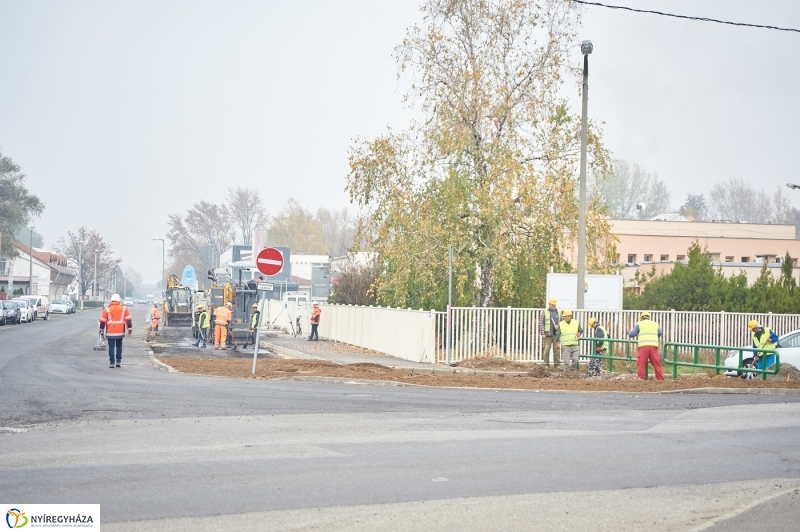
(26,309)
(11,312)
(788,353)
(128,301)
(41,306)
(71,304)
(60,306)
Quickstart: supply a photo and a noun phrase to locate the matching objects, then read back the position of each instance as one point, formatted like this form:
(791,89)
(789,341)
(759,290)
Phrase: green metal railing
(718,356)
(610,357)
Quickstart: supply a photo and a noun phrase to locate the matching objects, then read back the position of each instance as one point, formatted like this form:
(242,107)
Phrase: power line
(701,19)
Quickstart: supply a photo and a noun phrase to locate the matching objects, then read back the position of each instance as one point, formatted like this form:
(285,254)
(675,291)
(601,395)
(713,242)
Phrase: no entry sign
(269,261)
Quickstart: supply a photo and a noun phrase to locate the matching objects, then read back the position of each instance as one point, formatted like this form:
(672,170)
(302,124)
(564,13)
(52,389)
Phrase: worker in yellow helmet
(647,334)
(763,338)
(569,331)
(203,326)
(600,348)
(548,329)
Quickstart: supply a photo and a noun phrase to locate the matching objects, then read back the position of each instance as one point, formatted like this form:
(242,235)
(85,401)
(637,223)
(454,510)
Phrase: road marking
(12,430)
(742,509)
(439,479)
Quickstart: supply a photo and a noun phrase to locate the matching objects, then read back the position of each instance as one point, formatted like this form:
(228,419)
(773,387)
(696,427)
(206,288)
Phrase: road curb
(344,380)
(750,391)
(160,365)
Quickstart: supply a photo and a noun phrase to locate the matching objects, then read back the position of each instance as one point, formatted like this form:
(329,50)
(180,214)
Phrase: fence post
(508,332)
(672,326)
(723,331)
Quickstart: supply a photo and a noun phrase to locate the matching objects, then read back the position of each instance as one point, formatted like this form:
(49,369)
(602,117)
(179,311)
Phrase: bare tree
(204,231)
(80,249)
(628,185)
(247,211)
(297,228)
(338,230)
(356,284)
(737,201)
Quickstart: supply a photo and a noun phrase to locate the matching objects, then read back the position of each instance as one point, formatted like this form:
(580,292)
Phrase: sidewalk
(288,346)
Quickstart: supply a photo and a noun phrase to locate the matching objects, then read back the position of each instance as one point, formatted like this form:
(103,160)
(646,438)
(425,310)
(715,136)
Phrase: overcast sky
(123,112)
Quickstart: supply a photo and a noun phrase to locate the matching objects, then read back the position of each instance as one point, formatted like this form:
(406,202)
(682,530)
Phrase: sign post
(269,262)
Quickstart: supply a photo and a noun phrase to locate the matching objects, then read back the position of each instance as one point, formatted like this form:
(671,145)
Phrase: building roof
(702,229)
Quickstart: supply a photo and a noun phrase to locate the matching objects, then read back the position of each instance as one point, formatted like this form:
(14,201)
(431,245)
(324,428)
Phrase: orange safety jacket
(114,319)
(155,315)
(315,315)
(222,315)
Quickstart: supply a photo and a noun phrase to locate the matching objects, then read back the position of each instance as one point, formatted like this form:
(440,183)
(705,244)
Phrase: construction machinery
(178,311)
(241,297)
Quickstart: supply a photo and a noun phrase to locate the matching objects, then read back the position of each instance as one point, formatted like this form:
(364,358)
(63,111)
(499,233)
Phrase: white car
(25,308)
(788,352)
(128,302)
(60,306)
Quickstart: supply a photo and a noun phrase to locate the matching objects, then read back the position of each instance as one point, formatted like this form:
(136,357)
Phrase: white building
(42,273)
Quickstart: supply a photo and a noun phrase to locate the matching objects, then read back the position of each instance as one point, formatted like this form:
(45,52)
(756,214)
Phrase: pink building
(734,247)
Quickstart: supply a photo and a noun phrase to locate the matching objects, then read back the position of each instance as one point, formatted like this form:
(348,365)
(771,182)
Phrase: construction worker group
(561,333)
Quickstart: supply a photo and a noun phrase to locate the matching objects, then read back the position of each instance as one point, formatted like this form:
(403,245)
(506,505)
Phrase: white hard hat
(115,297)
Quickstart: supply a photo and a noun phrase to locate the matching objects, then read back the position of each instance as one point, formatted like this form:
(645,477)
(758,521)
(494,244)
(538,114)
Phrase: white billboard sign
(601,292)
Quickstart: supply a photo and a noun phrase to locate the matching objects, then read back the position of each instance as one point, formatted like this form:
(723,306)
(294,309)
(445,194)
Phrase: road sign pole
(258,331)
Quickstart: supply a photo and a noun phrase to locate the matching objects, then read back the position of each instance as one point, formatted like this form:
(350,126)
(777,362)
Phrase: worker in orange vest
(222,317)
(315,314)
(113,321)
(155,317)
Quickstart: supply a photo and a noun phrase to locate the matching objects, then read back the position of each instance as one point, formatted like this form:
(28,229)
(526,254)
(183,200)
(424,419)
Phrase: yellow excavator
(178,304)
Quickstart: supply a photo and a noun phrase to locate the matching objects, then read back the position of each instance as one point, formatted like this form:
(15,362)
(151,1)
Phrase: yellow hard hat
(553,301)
(567,313)
(752,324)
(199,307)
(592,321)
(645,315)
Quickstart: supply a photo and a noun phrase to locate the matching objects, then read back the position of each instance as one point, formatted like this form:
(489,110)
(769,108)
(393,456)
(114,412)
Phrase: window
(728,259)
(664,258)
(631,258)
(791,341)
(745,259)
(648,258)
(794,262)
(681,257)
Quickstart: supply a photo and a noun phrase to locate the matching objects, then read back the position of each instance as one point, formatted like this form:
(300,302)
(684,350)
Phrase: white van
(41,306)
(301,298)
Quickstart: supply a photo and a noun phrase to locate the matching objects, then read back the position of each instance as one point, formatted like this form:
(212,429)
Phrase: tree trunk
(487,284)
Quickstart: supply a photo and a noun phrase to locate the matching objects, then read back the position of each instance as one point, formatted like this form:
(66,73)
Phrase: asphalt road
(165,451)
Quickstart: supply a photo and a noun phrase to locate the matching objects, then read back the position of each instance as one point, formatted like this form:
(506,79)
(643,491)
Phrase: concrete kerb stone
(160,365)
(751,391)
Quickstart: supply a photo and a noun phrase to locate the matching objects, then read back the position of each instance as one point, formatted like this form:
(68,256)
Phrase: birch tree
(489,167)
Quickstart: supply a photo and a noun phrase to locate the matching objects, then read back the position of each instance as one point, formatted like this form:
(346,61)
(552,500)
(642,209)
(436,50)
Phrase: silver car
(788,352)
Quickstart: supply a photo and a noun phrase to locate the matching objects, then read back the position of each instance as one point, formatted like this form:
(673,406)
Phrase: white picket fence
(514,332)
(421,336)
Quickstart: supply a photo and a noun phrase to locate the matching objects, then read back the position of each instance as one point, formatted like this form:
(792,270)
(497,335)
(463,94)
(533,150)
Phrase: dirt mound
(492,363)
(788,373)
(572,381)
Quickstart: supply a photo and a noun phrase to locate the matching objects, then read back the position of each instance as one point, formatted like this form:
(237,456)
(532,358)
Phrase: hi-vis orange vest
(114,319)
(222,315)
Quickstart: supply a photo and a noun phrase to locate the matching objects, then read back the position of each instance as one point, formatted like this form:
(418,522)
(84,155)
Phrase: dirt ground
(538,379)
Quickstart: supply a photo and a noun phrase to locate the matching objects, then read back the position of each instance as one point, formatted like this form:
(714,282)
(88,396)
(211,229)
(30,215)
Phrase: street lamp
(792,185)
(30,271)
(586,49)
(163,281)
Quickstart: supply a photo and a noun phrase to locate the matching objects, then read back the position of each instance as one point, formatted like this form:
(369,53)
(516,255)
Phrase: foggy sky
(123,112)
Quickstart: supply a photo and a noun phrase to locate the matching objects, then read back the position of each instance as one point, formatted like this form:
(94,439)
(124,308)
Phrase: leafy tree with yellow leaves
(490,167)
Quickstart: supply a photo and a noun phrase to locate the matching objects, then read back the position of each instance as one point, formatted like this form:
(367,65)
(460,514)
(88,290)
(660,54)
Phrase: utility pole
(30,271)
(449,300)
(94,285)
(586,49)
(80,273)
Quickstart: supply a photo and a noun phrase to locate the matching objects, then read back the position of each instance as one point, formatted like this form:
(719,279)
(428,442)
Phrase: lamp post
(163,281)
(30,271)
(94,282)
(792,185)
(586,49)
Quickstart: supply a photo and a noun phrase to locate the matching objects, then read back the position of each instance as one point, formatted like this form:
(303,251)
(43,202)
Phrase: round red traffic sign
(269,261)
